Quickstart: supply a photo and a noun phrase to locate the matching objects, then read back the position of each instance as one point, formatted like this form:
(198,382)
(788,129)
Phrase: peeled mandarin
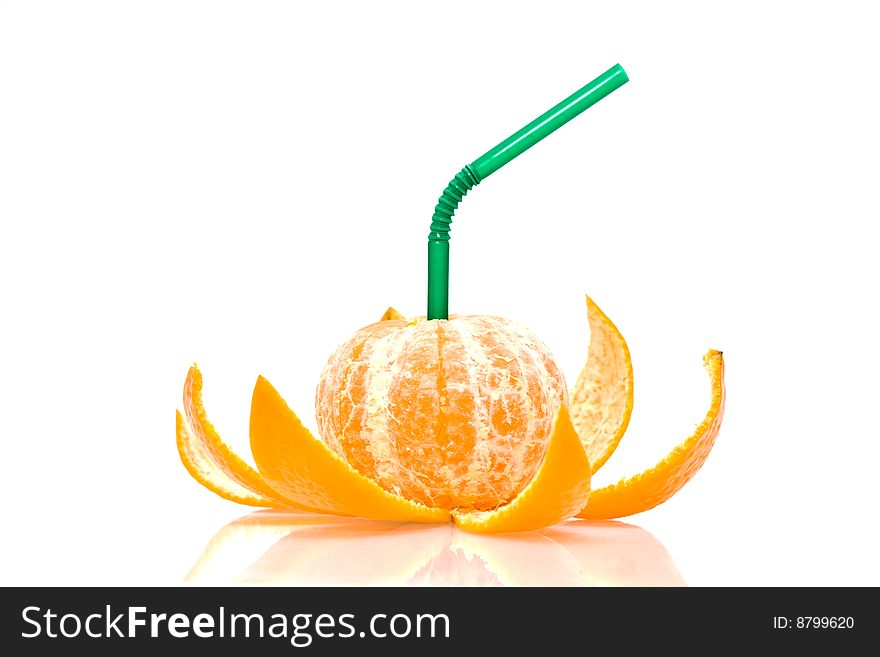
(451,413)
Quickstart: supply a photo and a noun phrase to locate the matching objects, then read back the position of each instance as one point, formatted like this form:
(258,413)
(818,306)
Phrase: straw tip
(617,68)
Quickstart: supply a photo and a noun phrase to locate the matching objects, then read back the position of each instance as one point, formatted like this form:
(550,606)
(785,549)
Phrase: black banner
(109,621)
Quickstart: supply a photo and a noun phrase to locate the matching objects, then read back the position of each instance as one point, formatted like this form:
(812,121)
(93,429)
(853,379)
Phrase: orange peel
(210,460)
(391,313)
(602,397)
(657,484)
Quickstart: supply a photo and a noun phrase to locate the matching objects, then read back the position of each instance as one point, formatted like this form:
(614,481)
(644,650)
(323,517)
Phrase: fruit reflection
(269,547)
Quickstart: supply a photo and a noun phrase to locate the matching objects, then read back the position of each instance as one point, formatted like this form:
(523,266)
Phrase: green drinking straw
(489,163)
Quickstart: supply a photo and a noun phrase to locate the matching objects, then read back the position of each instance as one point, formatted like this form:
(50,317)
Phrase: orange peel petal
(391,313)
(199,463)
(602,397)
(559,490)
(656,485)
(211,462)
(304,469)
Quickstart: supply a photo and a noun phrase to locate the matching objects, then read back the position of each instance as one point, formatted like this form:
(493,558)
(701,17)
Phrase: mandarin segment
(657,484)
(602,396)
(304,469)
(451,413)
(345,431)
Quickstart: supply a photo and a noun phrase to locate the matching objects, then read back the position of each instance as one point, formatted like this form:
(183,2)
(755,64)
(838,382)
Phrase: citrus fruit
(451,413)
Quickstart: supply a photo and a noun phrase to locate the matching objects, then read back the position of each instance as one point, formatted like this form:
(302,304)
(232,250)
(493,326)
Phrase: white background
(245,184)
